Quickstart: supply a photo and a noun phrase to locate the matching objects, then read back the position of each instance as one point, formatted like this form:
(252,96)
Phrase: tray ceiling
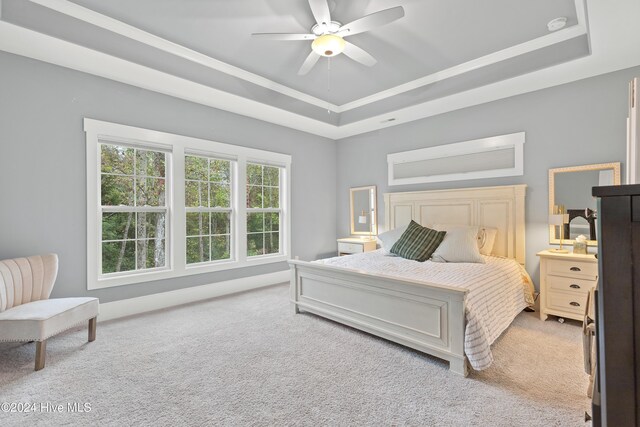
(432,36)
(438,50)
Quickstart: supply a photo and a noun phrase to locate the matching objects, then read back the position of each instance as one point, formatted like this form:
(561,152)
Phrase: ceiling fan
(327,36)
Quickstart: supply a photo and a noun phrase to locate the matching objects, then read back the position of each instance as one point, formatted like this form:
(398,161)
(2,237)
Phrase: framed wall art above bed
(425,315)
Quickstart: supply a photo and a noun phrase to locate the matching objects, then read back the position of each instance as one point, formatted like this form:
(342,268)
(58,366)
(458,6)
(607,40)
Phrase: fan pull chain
(328,84)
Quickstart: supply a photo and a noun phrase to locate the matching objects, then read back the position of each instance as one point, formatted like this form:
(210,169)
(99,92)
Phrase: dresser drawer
(569,302)
(570,284)
(350,248)
(570,268)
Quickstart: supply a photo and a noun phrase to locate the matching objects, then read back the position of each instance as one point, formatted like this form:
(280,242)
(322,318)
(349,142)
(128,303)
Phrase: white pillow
(460,244)
(486,240)
(389,238)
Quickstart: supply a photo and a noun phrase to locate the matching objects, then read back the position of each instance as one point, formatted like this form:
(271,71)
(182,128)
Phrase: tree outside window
(263,209)
(134,212)
(209,213)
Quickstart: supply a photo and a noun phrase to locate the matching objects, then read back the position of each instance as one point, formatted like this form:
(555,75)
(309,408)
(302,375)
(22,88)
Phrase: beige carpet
(246,360)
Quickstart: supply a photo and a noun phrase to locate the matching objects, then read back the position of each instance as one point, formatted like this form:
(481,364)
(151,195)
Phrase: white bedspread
(498,291)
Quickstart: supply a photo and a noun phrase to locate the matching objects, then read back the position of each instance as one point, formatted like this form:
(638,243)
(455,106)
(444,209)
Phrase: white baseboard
(128,307)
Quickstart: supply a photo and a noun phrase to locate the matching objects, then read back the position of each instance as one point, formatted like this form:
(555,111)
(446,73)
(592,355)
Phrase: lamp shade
(362,219)
(328,45)
(558,219)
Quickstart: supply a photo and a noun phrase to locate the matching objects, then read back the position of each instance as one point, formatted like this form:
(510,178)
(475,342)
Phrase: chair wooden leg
(41,354)
(92,329)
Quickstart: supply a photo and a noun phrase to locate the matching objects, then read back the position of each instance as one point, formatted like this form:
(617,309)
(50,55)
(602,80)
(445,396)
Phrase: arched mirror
(570,195)
(363,211)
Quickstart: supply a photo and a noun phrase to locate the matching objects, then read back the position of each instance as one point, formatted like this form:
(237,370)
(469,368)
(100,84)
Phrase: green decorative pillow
(417,242)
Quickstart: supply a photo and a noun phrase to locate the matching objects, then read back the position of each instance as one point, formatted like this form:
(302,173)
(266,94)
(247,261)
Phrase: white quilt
(498,291)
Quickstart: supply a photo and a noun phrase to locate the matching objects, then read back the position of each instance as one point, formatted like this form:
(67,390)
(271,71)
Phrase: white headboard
(498,207)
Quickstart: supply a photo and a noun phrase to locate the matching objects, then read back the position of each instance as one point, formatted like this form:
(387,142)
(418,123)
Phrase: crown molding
(613,33)
(493,92)
(22,41)
(107,23)
(483,61)
(614,36)
(118,27)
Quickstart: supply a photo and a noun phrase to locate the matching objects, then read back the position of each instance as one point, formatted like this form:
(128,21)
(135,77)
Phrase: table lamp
(561,220)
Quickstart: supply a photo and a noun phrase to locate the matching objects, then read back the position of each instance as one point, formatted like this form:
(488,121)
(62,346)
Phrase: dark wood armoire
(617,385)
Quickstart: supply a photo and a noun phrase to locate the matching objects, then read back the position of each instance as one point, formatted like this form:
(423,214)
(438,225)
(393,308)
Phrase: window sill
(109,282)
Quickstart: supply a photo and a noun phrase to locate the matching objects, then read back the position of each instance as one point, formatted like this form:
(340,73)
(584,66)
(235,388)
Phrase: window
(133,208)
(161,205)
(208,208)
(263,209)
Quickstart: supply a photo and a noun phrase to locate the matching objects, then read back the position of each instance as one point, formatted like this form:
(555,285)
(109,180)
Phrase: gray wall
(578,123)
(42,159)
(43,177)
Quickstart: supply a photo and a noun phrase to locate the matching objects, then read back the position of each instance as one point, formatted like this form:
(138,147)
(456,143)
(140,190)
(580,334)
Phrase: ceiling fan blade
(308,63)
(284,36)
(359,55)
(320,10)
(371,21)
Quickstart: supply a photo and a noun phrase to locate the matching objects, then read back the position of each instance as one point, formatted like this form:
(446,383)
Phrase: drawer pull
(574,286)
(575,304)
(575,269)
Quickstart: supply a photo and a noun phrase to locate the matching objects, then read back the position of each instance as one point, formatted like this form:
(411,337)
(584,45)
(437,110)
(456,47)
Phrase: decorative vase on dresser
(355,245)
(565,282)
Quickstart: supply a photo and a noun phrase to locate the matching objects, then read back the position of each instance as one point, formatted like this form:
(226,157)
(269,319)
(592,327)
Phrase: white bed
(441,309)
(498,291)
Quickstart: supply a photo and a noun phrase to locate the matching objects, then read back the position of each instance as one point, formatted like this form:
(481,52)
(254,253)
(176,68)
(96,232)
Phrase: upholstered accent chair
(27,313)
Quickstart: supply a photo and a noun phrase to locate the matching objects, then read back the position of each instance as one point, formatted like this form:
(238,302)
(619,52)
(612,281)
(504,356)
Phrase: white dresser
(565,282)
(355,245)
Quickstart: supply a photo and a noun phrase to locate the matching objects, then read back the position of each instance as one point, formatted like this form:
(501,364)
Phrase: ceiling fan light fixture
(328,45)
(327,34)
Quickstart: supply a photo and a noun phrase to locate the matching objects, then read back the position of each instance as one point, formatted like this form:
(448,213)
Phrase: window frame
(264,210)
(177,147)
(202,209)
(134,209)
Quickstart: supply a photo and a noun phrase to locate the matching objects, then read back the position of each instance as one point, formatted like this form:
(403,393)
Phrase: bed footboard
(427,317)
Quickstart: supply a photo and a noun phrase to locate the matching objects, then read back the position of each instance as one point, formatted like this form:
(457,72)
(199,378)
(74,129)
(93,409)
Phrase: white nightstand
(355,245)
(565,282)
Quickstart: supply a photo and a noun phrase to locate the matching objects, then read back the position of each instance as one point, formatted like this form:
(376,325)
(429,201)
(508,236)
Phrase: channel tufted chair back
(26,312)
(24,280)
